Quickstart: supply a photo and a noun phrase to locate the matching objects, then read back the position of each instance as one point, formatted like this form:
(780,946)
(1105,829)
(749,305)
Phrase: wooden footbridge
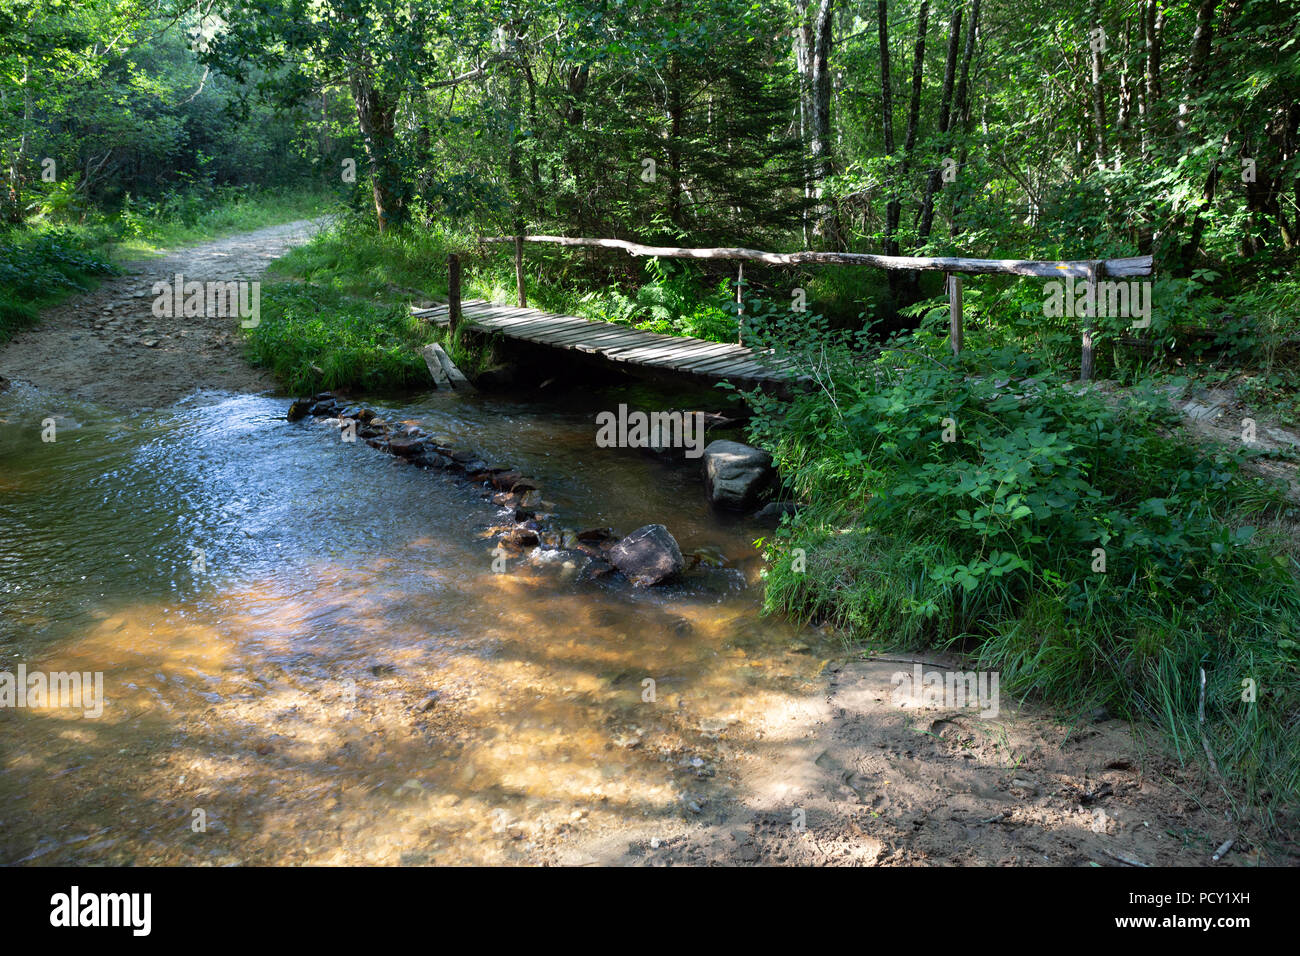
(714,361)
(707,361)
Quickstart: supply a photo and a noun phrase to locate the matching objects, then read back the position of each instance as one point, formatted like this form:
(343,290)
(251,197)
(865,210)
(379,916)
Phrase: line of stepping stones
(647,556)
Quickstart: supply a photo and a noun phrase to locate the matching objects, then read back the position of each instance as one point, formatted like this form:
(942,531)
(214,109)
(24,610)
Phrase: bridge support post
(740,303)
(954,313)
(519,271)
(1095,269)
(453,291)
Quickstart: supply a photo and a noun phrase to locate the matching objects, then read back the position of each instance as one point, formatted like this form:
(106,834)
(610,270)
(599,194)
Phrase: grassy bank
(314,337)
(1084,548)
(354,259)
(339,315)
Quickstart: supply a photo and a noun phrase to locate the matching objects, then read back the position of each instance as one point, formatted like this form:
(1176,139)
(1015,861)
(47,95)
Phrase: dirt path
(854,778)
(108,346)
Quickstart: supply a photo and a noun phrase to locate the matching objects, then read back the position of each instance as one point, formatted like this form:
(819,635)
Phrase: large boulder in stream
(736,475)
(647,556)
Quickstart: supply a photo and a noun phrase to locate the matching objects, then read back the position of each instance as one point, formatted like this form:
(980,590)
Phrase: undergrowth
(1081,546)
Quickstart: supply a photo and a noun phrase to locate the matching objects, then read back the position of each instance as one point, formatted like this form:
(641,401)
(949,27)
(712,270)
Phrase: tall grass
(315,337)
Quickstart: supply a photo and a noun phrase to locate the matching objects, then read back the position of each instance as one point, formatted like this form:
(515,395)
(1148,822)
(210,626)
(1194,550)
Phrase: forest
(1113,538)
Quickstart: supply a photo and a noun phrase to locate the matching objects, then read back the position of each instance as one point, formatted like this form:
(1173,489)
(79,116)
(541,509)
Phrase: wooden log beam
(1130,266)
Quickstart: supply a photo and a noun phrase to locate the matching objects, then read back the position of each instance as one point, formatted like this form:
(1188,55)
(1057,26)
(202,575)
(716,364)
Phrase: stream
(308,658)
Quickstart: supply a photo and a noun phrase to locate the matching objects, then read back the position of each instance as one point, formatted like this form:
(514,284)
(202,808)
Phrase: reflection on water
(308,659)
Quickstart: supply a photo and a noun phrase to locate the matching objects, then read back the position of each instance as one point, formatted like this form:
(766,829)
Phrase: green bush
(972,502)
(353,259)
(39,266)
(673,302)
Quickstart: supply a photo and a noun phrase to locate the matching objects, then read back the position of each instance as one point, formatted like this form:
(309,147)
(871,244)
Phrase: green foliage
(336,325)
(674,302)
(964,502)
(107,99)
(202,211)
(354,259)
(41,266)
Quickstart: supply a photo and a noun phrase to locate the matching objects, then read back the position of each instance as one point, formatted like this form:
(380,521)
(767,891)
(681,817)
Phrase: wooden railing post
(740,304)
(519,271)
(1095,269)
(954,313)
(453,291)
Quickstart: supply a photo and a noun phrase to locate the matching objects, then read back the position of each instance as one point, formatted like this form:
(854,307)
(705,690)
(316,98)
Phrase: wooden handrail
(1117,268)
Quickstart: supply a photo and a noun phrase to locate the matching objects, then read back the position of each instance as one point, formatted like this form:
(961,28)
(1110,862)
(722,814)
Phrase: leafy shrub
(671,303)
(971,502)
(38,266)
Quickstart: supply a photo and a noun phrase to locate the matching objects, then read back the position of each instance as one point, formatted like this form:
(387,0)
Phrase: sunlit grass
(154,229)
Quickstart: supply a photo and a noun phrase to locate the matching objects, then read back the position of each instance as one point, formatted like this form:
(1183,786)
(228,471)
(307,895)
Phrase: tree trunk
(514,161)
(675,131)
(935,182)
(803,46)
(918,68)
(827,227)
(533,161)
(1194,81)
(1153,29)
(376,114)
(1197,60)
(963,105)
(1124,108)
(910,283)
(1096,41)
(575,116)
(887,118)
(13,211)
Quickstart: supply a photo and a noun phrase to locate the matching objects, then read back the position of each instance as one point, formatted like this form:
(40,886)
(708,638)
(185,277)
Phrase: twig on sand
(900,660)
(1126,860)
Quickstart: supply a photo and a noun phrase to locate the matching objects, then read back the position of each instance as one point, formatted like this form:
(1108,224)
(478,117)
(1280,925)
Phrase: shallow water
(307,656)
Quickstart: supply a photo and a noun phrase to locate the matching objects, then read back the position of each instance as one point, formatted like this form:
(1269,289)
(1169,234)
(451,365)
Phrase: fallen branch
(1126,860)
(1200,720)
